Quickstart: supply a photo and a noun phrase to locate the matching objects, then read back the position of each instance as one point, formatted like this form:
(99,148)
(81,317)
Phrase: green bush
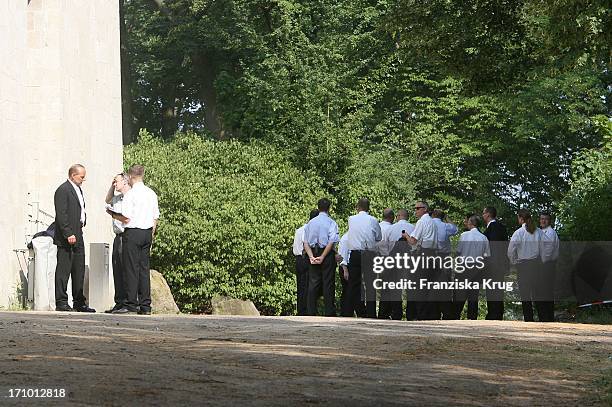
(585,209)
(228,214)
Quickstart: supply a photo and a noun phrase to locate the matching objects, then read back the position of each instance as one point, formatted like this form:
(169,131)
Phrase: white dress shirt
(524,245)
(396,230)
(116,206)
(385,245)
(445,231)
(363,231)
(344,250)
(473,244)
(550,245)
(426,233)
(79,193)
(140,206)
(298,241)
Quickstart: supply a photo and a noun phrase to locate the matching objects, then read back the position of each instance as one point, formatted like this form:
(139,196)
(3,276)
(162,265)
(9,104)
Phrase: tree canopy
(464,104)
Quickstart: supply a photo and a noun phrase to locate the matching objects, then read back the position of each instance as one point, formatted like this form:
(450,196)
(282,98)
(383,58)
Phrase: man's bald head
(75,169)
(76,174)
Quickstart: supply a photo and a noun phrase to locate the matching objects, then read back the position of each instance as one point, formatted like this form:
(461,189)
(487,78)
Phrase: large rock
(232,306)
(162,301)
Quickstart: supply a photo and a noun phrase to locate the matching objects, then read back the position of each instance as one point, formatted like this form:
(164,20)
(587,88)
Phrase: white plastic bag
(45,261)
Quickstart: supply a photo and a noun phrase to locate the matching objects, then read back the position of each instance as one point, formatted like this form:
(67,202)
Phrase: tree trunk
(169,119)
(127,116)
(207,93)
(208,96)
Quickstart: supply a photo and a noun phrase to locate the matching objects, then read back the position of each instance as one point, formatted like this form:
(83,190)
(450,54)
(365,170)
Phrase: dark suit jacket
(67,215)
(498,238)
(496,232)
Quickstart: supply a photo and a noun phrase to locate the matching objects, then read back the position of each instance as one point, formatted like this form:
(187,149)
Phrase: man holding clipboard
(139,214)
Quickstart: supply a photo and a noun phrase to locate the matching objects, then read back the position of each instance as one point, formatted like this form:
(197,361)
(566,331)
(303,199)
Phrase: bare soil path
(195,360)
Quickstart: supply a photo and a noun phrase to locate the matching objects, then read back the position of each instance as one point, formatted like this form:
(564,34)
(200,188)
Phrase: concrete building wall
(60,103)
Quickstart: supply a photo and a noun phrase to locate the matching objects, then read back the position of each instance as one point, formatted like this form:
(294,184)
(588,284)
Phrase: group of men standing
(318,249)
(134,209)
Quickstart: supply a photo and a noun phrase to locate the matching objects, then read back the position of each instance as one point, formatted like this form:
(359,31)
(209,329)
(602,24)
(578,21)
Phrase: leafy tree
(570,33)
(464,104)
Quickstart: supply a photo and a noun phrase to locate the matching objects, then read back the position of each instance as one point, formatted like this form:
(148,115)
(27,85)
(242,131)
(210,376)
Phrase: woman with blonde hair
(525,251)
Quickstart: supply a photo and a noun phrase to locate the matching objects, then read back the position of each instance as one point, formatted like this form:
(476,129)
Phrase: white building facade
(60,104)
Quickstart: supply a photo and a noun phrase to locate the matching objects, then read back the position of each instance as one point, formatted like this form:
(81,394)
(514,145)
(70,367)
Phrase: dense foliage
(228,213)
(464,104)
(585,209)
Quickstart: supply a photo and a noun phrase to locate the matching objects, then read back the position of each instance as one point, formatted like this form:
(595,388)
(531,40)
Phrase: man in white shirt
(139,215)
(472,244)
(114,198)
(425,238)
(550,239)
(399,245)
(363,234)
(525,251)
(342,258)
(550,254)
(301,267)
(425,233)
(400,227)
(385,245)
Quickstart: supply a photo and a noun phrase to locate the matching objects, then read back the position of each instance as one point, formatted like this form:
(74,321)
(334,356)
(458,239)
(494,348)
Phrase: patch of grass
(597,314)
(551,357)
(604,387)
(523,349)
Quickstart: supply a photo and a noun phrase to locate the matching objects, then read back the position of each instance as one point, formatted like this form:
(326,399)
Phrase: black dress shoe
(115,308)
(65,308)
(144,312)
(84,308)
(124,311)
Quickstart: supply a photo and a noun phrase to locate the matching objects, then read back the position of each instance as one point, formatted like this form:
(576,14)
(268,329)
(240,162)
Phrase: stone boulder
(162,301)
(232,306)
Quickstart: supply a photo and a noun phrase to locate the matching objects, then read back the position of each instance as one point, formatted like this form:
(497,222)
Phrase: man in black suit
(497,265)
(70,218)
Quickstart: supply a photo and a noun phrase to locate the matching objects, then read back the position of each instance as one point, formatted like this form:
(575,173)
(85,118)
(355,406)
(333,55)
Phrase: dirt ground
(195,360)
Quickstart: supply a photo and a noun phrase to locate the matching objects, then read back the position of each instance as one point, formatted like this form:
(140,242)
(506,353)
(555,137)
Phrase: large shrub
(585,210)
(228,215)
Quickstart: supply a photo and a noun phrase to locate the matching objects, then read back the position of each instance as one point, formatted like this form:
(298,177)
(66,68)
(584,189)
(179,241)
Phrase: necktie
(83,198)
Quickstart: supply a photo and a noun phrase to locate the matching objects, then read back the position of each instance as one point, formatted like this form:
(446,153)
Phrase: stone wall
(60,103)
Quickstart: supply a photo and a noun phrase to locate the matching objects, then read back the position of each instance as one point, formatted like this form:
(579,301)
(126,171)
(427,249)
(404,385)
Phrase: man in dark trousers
(320,236)
(139,214)
(70,218)
(497,266)
(363,236)
(301,267)
(114,198)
